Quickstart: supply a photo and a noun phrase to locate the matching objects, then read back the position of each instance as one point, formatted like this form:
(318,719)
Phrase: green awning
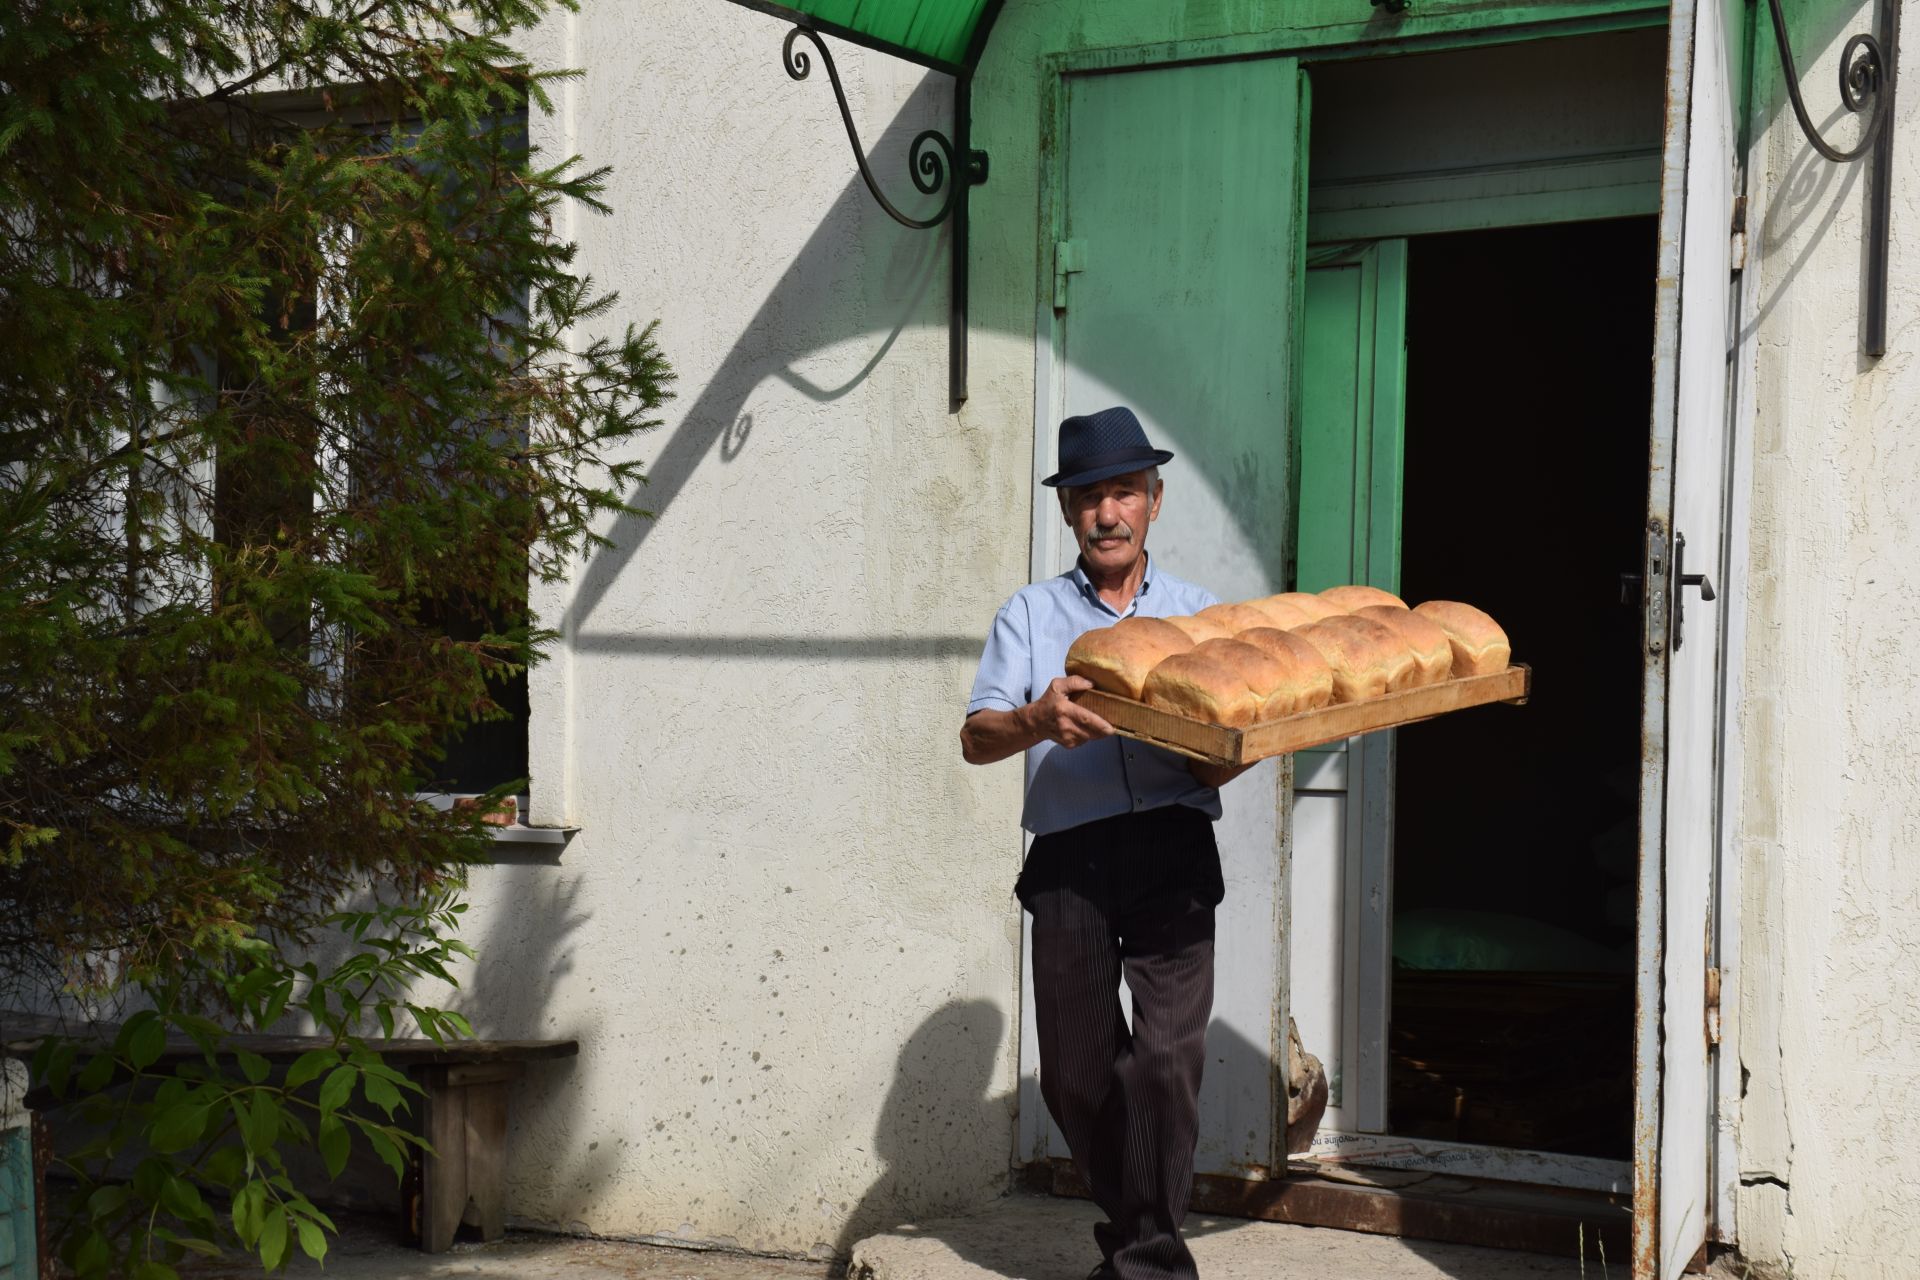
(944,34)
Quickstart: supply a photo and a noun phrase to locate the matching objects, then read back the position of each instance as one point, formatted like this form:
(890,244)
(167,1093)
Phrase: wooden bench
(462,1113)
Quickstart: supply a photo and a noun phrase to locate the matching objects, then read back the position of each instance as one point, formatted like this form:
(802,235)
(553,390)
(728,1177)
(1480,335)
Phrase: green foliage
(294,379)
(175,1101)
(300,389)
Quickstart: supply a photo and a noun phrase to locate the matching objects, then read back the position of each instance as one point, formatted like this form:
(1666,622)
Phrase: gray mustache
(1112,531)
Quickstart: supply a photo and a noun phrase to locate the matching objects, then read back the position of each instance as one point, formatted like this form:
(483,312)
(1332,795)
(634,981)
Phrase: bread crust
(1201,687)
(1199,629)
(1368,658)
(1306,602)
(1283,614)
(1432,650)
(1312,678)
(1480,646)
(1221,681)
(1352,599)
(1235,617)
(1118,658)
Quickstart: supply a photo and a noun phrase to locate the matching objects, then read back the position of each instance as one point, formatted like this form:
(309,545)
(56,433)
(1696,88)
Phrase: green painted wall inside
(1352,418)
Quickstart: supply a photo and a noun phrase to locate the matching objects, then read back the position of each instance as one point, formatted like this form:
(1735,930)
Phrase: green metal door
(1348,510)
(1353,396)
(1177,267)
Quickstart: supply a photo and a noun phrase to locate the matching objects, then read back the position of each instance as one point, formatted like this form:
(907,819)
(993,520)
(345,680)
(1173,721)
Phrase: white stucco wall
(1828,785)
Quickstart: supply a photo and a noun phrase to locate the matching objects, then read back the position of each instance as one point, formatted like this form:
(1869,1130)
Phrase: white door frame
(1696,393)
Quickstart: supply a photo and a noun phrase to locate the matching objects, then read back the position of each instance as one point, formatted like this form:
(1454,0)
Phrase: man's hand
(988,736)
(1055,717)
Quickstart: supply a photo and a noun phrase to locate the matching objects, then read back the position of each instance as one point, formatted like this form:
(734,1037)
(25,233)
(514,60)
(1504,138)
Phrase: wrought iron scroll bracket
(1865,69)
(1868,78)
(930,159)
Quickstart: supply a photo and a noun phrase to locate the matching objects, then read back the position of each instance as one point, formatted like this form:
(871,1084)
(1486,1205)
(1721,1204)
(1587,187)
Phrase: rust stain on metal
(1713,1007)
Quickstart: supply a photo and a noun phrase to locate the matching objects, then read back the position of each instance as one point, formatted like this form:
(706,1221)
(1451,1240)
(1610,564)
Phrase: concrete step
(1033,1237)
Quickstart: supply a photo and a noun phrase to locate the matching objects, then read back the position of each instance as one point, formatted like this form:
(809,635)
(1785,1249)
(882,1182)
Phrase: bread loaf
(1432,651)
(1118,658)
(1480,647)
(1367,658)
(1352,599)
(1198,628)
(1279,613)
(1306,602)
(1222,681)
(1235,617)
(1311,679)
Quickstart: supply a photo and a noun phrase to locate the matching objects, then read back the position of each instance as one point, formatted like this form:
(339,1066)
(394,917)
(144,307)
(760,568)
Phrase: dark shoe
(1104,1271)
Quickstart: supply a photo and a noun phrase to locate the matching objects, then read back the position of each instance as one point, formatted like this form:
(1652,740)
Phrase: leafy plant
(300,389)
(188,1110)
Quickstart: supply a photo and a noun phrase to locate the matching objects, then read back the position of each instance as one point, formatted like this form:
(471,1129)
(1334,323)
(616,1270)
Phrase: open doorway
(1525,492)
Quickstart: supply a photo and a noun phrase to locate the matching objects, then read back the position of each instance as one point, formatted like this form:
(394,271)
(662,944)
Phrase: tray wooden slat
(1217,744)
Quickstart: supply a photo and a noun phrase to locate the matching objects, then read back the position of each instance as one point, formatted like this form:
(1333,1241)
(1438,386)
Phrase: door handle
(1681,580)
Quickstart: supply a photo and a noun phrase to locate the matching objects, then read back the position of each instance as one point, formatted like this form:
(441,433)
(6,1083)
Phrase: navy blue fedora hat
(1098,446)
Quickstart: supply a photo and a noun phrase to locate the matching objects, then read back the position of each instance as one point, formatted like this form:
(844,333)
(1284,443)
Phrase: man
(1123,875)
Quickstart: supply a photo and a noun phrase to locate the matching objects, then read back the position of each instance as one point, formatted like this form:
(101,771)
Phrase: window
(281,463)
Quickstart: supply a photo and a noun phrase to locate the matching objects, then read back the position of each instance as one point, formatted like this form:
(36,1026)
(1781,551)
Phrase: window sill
(514,833)
(538,844)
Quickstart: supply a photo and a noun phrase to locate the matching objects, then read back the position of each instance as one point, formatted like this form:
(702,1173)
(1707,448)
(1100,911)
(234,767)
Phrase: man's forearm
(988,736)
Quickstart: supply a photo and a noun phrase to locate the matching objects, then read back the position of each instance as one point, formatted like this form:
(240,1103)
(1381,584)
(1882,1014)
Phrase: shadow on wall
(1813,186)
(819,303)
(940,1112)
(562,1154)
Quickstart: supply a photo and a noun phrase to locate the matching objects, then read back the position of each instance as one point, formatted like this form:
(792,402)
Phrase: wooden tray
(1217,744)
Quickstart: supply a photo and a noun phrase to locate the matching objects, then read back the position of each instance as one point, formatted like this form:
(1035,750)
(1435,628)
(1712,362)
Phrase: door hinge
(1069,256)
(1713,1007)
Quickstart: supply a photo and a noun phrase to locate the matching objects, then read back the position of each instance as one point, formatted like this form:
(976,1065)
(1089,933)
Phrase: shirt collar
(1087,589)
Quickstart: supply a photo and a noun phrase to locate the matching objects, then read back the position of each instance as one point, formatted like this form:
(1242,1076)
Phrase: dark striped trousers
(1131,894)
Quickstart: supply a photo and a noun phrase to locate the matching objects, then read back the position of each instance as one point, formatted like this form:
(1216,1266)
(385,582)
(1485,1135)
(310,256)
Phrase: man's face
(1109,519)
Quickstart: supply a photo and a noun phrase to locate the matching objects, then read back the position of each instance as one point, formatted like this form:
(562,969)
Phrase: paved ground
(368,1250)
(1019,1238)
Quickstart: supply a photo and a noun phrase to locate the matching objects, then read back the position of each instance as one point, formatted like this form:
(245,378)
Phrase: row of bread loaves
(1240,664)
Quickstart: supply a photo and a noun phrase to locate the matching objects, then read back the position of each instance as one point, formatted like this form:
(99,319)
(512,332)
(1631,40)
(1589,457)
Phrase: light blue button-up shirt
(1027,650)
